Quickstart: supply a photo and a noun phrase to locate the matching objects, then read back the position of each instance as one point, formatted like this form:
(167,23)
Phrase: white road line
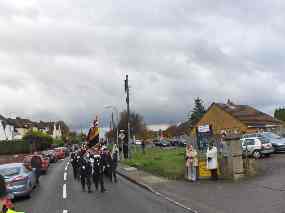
(65,176)
(65,211)
(66,168)
(64,194)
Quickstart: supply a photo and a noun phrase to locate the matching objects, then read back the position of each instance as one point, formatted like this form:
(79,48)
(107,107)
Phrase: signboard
(122,136)
(203,171)
(204,128)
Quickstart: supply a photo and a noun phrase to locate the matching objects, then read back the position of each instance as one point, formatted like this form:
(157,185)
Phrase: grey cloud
(66,60)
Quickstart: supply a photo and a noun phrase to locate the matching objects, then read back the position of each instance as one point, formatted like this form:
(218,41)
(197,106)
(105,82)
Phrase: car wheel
(256,154)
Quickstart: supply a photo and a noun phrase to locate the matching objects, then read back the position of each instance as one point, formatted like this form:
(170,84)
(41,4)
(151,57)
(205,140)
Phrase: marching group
(92,164)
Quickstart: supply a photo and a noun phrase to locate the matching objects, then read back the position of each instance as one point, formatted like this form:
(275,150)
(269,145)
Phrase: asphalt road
(122,197)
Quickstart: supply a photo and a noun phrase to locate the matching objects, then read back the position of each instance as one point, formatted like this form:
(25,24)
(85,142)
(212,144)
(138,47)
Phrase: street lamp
(117,115)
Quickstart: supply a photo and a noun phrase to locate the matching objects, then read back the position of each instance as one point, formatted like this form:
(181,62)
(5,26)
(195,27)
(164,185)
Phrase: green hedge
(14,147)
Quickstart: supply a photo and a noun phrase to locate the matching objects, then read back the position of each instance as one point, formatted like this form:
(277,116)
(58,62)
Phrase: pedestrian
(191,163)
(143,146)
(36,164)
(115,158)
(98,173)
(126,150)
(212,161)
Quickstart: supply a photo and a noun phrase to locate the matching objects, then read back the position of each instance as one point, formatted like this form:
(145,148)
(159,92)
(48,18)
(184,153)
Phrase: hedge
(14,147)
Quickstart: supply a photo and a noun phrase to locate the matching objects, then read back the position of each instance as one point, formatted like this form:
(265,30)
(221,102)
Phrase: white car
(256,147)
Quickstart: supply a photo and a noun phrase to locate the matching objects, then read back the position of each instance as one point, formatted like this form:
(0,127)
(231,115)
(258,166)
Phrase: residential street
(121,197)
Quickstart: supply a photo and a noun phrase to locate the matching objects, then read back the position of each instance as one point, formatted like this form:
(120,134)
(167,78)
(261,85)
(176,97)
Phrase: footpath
(253,195)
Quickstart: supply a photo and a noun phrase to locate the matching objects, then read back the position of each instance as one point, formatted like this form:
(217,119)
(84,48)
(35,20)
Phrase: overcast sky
(67,59)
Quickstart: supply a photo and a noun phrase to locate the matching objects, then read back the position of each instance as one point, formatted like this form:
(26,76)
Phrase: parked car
(138,142)
(162,143)
(20,180)
(257,147)
(44,162)
(277,141)
(60,153)
(51,155)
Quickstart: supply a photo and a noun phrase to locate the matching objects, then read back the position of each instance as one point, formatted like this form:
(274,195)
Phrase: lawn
(168,163)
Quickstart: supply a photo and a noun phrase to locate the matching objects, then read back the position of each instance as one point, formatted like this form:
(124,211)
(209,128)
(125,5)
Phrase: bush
(58,142)
(14,147)
(39,140)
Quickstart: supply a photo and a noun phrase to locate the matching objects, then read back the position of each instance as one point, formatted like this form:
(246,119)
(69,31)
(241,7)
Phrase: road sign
(122,136)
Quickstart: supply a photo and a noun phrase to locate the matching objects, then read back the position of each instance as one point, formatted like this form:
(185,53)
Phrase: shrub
(39,140)
(14,147)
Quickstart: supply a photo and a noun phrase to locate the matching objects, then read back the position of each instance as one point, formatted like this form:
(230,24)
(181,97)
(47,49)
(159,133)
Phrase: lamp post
(117,115)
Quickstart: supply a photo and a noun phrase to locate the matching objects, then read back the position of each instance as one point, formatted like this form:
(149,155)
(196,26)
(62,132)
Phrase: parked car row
(169,143)
(262,144)
(21,177)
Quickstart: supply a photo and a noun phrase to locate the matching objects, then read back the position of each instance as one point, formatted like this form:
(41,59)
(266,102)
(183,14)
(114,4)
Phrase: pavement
(60,193)
(262,194)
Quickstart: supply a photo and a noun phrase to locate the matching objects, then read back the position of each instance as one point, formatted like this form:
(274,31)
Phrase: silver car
(20,180)
(277,141)
(256,147)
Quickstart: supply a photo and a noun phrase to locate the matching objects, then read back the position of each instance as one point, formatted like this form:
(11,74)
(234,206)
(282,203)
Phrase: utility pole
(127,90)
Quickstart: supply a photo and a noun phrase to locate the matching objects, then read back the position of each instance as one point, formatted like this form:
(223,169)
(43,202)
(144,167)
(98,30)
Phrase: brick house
(237,119)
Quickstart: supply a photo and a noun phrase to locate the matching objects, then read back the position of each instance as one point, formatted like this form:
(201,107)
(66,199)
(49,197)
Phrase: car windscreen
(272,135)
(10,171)
(264,140)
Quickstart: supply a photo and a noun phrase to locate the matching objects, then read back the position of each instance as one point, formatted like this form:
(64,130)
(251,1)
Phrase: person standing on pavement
(36,164)
(126,150)
(143,146)
(191,163)
(212,161)
(115,157)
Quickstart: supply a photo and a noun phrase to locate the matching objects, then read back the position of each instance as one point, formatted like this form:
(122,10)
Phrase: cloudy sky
(67,59)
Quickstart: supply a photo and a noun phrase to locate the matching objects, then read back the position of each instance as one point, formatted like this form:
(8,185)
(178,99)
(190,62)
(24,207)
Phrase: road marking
(65,176)
(65,211)
(64,194)
(66,168)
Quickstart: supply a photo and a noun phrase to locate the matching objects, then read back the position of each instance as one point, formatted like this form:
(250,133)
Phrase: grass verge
(169,163)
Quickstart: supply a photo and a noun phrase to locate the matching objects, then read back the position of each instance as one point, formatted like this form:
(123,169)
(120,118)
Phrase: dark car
(51,155)
(20,180)
(162,143)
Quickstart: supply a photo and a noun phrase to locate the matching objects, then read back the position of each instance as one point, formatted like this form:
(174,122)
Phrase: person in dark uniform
(109,164)
(74,164)
(98,173)
(83,171)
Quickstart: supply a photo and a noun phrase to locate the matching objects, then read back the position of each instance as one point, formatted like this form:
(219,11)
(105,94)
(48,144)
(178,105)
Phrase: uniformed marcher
(98,173)
(83,171)
(74,163)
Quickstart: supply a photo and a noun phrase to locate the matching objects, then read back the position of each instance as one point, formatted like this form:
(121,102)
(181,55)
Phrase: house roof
(249,115)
